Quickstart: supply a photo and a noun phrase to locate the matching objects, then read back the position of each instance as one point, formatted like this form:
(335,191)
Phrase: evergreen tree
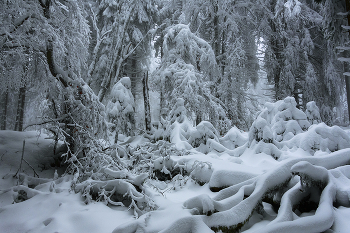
(186,69)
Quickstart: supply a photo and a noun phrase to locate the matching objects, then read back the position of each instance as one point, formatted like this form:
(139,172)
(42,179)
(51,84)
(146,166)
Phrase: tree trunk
(216,40)
(198,118)
(347,78)
(4,109)
(347,85)
(146,103)
(162,112)
(277,51)
(20,109)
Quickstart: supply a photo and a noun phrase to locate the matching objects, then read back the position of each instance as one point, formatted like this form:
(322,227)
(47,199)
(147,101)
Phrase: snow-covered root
(312,179)
(193,224)
(247,200)
(320,222)
(134,227)
(225,199)
(26,187)
(116,192)
(341,178)
(232,207)
(221,179)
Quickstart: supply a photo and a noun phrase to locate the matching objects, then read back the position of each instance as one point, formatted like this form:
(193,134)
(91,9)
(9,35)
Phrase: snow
(220,181)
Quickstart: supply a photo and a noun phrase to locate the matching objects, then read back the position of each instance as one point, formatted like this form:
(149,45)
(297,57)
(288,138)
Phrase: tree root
(232,207)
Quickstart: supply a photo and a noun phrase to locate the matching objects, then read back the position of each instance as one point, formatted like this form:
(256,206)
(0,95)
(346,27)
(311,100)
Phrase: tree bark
(347,78)
(146,103)
(20,108)
(216,40)
(4,109)
(198,118)
(347,86)
(277,51)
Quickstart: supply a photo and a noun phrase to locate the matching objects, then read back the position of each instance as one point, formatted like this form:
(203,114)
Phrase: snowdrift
(289,173)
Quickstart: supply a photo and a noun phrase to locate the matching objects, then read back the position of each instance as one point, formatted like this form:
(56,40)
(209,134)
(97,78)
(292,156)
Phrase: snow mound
(320,137)
(181,127)
(192,224)
(313,113)
(284,119)
(200,136)
(201,172)
(234,138)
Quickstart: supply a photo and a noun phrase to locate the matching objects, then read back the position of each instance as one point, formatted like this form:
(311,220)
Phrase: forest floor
(53,207)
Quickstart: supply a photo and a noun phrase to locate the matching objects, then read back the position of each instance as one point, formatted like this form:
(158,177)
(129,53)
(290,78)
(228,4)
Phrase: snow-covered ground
(289,173)
(53,207)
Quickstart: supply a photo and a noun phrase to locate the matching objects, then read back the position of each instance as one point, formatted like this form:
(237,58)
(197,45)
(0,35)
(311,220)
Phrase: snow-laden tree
(121,29)
(120,108)
(19,49)
(289,46)
(188,64)
(300,59)
(229,28)
(335,31)
(57,32)
(57,52)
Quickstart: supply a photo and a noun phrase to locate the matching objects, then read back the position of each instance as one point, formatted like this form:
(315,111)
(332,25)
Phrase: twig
(3,155)
(35,173)
(20,165)
(22,159)
(48,121)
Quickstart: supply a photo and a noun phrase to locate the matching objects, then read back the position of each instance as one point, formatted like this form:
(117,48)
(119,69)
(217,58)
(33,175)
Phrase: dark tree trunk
(64,79)
(198,118)
(146,103)
(223,50)
(276,47)
(4,109)
(347,78)
(20,109)
(216,40)
(347,85)
(162,105)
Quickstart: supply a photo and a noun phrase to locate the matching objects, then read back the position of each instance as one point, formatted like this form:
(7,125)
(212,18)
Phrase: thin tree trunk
(276,48)
(347,87)
(4,109)
(146,103)
(198,118)
(223,50)
(20,109)
(347,78)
